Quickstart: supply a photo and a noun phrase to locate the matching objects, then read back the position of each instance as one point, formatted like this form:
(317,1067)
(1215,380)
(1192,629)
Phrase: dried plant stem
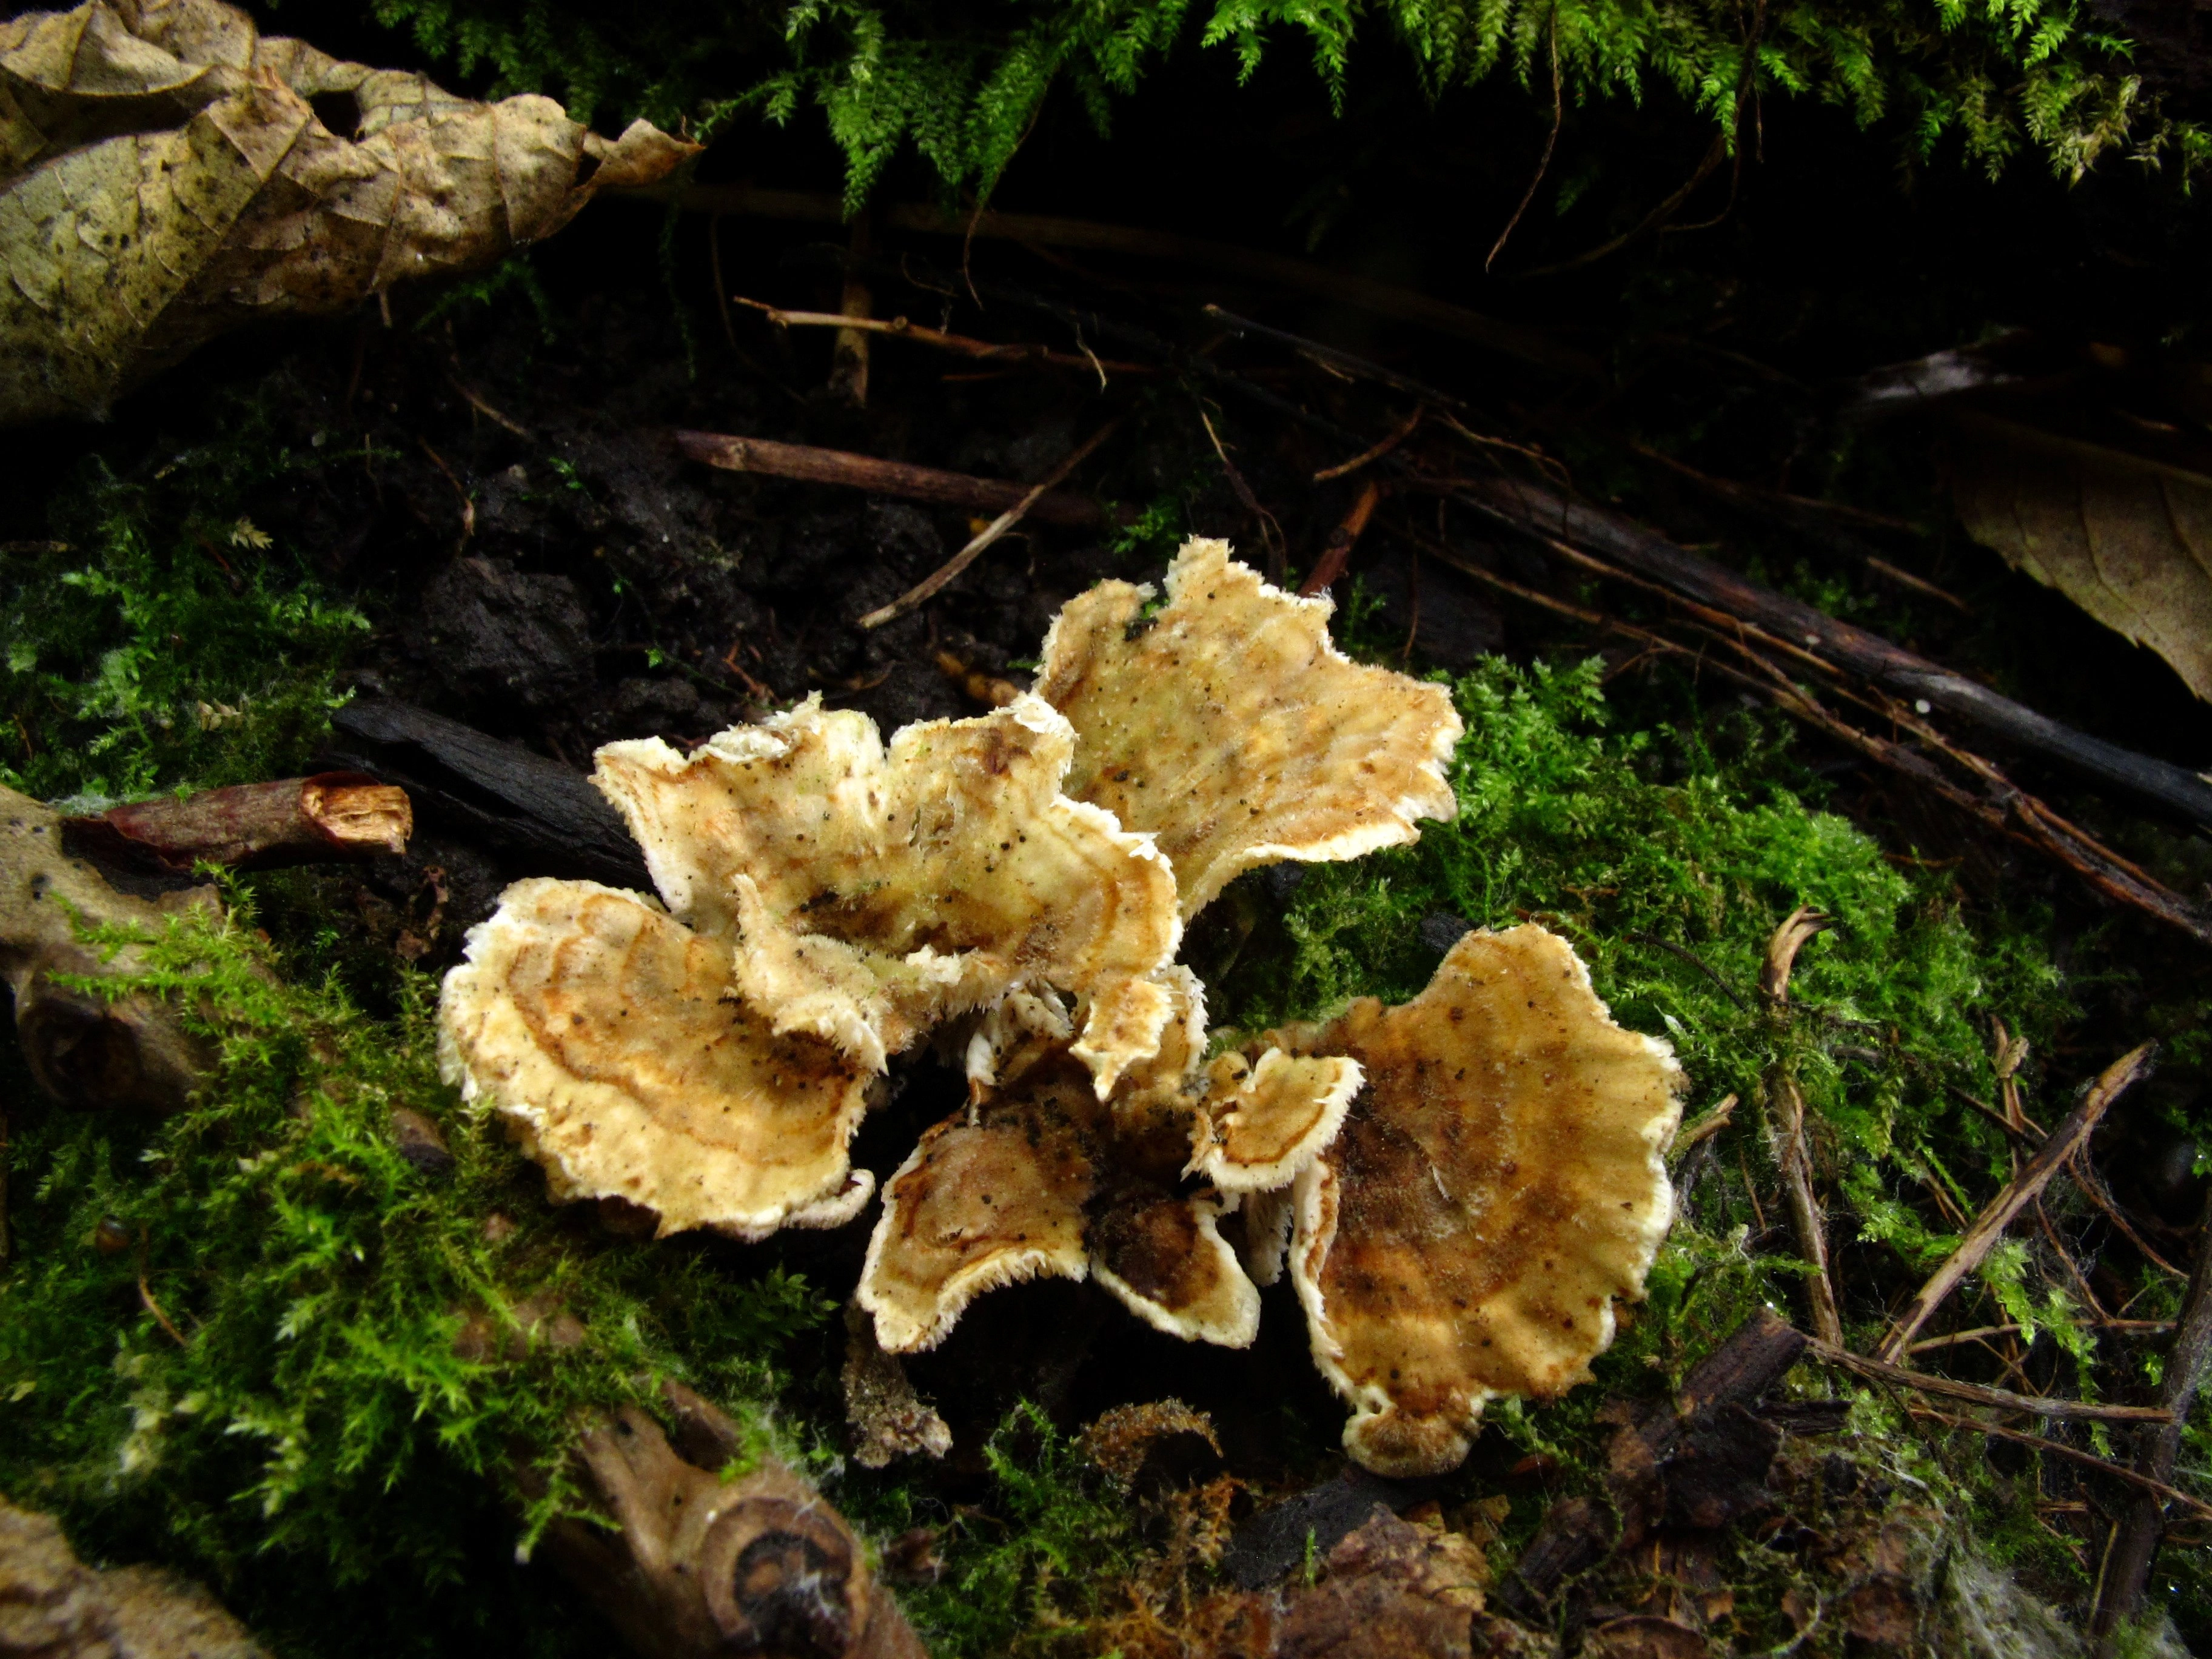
(808,465)
(2034,1404)
(2072,1454)
(1990,1226)
(2135,1539)
(1341,540)
(1794,1159)
(959,344)
(930,586)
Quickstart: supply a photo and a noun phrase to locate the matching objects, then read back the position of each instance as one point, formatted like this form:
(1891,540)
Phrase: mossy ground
(315,1446)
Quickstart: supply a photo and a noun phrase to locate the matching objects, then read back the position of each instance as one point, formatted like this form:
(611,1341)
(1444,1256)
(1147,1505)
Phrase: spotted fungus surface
(599,1028)
(873,892)
(1040,1177)
(1495,1188)
(1229,726)
(1460,1186)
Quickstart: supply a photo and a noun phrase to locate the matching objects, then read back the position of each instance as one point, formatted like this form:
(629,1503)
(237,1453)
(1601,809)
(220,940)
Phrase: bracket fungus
(874,893)
(1499,1182)
(598,1026)
(1040,1177)
(1228,724)
(1461,1185)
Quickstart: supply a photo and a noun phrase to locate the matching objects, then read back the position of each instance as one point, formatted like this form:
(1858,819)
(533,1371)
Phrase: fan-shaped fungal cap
(1230,726)
(1042,1178)
(1496,1186)
(600,1027)
(873,894)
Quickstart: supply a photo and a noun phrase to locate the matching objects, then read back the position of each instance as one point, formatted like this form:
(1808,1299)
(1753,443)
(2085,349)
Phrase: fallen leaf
(2127,537)
(167,174)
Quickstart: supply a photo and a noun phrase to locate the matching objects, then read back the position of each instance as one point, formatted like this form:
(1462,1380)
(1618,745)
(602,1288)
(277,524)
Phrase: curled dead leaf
(167,173)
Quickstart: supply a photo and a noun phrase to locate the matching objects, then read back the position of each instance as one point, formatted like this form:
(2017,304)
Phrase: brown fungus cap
(874,892)
(1496,1186)
(1040,1177)
(599,1028)
(1230,726)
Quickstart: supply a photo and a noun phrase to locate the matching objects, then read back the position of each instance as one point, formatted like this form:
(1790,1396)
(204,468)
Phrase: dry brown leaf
(164,176)
(2127,538)
(1229,726)
(599,1029)
(876,890)
(1496,1187)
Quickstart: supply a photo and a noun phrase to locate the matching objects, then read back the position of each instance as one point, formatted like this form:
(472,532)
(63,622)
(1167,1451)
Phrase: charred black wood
(536,811)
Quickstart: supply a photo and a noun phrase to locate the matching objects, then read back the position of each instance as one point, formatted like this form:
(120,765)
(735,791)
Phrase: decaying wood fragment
(252,826)
(878,478)
(498,792)
(1989,1226)
(54,1607)
(887,1418)
(1698,1459)
(701,1565)
(84,1048)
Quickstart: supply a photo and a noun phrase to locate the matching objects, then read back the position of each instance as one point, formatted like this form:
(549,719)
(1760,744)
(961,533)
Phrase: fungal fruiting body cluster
(1459,1186)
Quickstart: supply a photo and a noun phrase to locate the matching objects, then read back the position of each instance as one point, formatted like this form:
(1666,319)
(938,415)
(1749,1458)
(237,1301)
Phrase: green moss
(1667,857)
(964,87)
(1031,1568)
(228,1339)
(163,638)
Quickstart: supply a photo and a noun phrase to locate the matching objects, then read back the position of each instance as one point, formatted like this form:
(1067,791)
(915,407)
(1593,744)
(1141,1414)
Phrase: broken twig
(1982,1237)
(252,826)
(1341,541)
(2034,1404)
(1544,513)
(807,465)
(1795,1160)
(935,583)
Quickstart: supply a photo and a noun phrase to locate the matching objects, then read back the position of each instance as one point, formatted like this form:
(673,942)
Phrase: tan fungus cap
(599,1029)
(1496,1185)
(1229,726)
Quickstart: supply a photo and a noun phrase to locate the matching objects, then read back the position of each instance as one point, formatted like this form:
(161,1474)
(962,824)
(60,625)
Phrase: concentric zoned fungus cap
(600,1028)
(873,894)
(1042,1178)
(1496,1187)
(1230,727)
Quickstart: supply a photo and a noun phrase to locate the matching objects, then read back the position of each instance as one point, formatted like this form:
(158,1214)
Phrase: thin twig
(491,414)
(962,344)
(2135,1539)
(1692,958)
(1543,162)
(2128,1326)
(932,584)
(2084,1171)
(1651,222)
(1341,540)
(1976,1393)
(1795,1160)
(1982,1237)
(2073,1455)
(1375,450)
(1271,533)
